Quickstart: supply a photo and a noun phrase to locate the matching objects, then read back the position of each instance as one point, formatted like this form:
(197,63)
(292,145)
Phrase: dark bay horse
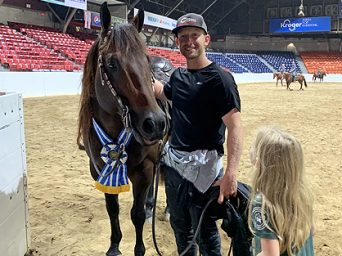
(320,76)
(299,78)
(121,125)
(278,76)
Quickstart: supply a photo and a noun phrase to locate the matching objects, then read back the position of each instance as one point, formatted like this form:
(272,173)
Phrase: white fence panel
(14,225)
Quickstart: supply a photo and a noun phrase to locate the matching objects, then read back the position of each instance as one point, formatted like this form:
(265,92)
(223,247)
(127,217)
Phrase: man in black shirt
(205,100)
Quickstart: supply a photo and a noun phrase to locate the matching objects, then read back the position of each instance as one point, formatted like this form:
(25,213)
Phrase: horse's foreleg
(138,218)
(141,185)
(301,86)
(112,205)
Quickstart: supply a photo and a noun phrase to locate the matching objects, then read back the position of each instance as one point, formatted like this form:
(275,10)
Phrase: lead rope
(156,172)
(193,241)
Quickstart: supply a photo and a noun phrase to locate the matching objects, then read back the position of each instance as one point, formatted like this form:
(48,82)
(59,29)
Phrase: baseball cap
(190,20)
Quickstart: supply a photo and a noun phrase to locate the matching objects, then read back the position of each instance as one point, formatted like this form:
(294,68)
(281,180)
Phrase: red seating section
(36,49)
(174,56)
(329,62)
(68,46)
(29,47)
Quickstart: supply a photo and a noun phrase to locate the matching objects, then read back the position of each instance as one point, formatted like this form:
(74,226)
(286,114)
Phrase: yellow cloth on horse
(111,190)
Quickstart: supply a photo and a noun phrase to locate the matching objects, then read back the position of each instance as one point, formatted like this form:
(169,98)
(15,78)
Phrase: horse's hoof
(113,251)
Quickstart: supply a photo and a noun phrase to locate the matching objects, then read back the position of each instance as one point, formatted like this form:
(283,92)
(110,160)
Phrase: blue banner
(95,19)
(299,25)
(340,8)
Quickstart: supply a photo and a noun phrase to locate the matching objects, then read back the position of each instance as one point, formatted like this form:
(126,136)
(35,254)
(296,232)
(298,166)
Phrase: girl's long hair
(279,178)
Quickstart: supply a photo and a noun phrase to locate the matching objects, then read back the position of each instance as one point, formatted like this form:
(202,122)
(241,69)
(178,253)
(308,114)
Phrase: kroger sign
(298,25)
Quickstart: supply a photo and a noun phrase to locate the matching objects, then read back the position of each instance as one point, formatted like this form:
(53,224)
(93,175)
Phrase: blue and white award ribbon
(113,177)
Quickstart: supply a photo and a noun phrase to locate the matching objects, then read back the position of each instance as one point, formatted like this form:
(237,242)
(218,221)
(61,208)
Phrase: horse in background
(120,123)
(278,76)
(320,76)
(299,78)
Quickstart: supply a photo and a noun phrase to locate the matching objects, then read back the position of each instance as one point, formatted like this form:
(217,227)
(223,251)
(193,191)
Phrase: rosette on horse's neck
(113,177)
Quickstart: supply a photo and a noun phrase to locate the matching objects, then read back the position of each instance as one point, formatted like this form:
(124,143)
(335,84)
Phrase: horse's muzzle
(151,128)
(154,128)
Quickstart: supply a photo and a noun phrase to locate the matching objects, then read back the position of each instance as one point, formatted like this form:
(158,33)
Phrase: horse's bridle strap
(124,110)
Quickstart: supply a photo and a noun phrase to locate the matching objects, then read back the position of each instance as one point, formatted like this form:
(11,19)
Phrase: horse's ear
(105,17)
(138,20)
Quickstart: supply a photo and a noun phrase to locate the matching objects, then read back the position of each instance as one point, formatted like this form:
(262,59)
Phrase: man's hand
(228,186)
(158,90)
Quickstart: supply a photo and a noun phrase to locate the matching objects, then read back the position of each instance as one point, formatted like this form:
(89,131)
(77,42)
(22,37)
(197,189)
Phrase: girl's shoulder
(257,199)
(261,224)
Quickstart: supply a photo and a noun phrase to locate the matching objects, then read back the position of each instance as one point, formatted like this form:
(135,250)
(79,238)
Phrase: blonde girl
(280,213)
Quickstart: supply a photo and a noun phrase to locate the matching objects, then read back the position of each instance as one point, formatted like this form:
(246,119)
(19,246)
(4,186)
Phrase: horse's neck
(111,124)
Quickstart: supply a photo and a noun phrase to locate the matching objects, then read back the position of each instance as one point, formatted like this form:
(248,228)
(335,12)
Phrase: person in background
(293,70)
(281,208)
(282,68)
(205,101)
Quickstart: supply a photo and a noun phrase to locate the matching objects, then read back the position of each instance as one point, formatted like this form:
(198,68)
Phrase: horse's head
(123,80)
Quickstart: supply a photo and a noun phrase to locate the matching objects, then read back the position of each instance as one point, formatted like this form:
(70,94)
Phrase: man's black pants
(186,205)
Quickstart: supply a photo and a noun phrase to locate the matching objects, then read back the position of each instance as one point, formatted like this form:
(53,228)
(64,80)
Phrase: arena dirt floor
(68,217)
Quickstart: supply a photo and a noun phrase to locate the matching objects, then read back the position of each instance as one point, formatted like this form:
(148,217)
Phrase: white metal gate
(14,224)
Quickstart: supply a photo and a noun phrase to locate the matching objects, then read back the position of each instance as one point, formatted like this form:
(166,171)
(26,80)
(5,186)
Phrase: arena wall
(36,84)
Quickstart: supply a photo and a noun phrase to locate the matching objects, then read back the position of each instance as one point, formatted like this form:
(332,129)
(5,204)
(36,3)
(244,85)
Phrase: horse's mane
(127,42)
(88,91)
(124,41)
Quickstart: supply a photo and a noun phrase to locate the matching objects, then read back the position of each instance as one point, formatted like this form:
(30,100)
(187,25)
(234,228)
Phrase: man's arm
(158,89)
(228,183)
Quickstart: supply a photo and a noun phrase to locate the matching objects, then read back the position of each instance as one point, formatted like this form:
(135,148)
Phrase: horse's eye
(113,66)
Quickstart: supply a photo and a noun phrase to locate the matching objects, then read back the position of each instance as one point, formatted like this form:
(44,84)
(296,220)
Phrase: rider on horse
(293,70)
(318,72)
(282,68)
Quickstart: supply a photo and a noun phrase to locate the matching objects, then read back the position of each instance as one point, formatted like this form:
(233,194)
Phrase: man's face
(192,42)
